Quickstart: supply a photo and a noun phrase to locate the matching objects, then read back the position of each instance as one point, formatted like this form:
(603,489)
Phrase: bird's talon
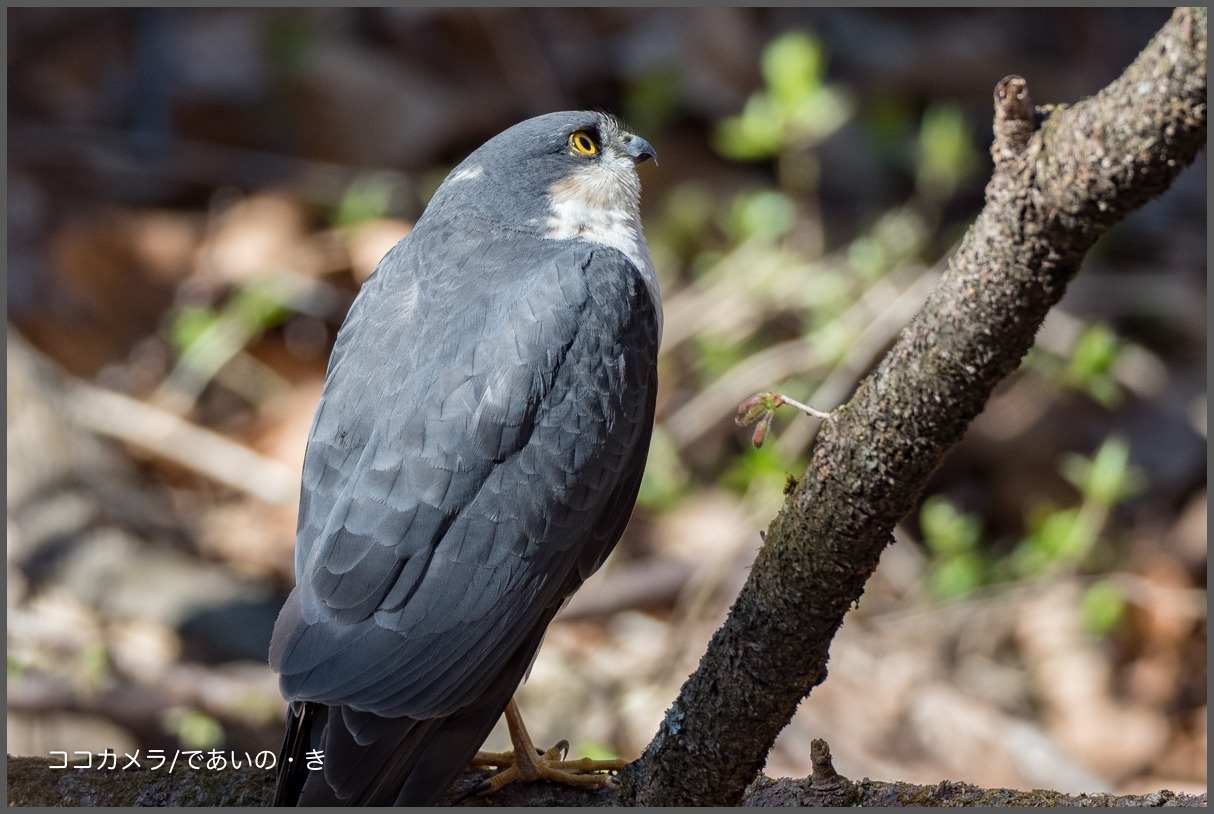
(503,778)
(495,760)
(478,789)
(551,765)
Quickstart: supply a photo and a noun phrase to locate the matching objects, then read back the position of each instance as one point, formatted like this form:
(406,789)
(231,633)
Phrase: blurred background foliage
(195,196)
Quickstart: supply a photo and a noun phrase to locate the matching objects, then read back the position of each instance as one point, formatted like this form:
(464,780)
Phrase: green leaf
(957,578)
(946,531)
(259,305)
(189,324)
(1064,538)
(1096,352)
(368,197)
(794,111)
(868,257)
(1091,364)
(946,153)
(820,114)
(1107,478)
(765,216)
(194,728)
(755,135)
(792,66)
(1103,606)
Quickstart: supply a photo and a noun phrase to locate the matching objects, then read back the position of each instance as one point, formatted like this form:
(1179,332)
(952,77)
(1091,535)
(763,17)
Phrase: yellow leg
(527,763)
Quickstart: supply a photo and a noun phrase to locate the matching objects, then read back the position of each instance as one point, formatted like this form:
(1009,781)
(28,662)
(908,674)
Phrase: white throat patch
(600,204)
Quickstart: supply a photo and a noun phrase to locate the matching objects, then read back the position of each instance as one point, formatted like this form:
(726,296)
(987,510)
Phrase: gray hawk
(475,456)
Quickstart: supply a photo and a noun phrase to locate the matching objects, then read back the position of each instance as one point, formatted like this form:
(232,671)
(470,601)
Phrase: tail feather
(292,758)
(370,760)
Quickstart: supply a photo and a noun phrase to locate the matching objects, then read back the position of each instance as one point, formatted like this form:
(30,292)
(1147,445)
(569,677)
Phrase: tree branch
(1061,179)
(31,783)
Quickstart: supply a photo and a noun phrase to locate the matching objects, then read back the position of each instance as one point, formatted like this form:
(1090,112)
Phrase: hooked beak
(638,149)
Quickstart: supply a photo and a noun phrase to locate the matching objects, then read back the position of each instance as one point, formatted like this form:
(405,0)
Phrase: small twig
(874,320)
(888,316)
(188,445)
(761,407)
(820,761)
(805,408)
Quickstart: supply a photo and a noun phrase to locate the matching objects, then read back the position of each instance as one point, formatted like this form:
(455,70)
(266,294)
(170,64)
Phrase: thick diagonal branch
(1060,181)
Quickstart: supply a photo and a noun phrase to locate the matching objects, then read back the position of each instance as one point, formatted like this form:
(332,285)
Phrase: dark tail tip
(292,763)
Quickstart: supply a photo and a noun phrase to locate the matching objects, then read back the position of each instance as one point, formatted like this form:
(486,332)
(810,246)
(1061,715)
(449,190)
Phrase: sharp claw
(479,788)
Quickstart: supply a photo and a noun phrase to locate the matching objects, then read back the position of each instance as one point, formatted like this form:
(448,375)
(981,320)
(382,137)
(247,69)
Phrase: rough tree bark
(1062,177)
(32,784)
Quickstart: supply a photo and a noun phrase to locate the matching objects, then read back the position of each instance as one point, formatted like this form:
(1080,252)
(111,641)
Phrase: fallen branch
(174,439)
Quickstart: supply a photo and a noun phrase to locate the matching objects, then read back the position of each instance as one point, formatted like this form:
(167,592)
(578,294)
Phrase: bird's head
(569,175)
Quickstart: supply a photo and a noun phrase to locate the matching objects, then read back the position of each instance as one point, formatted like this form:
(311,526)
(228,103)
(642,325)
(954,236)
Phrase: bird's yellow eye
(582,143)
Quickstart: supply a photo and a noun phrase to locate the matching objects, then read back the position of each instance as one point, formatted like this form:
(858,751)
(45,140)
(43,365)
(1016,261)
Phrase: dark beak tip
(641,150)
